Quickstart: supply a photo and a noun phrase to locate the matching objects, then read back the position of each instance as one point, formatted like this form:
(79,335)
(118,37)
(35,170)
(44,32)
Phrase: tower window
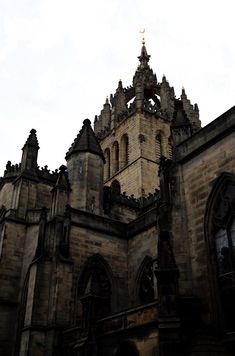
(124,150)
(115,157)
(170,147)
(107,164)
(159,145)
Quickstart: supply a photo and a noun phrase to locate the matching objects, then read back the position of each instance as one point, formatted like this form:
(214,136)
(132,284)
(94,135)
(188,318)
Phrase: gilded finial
(142,33)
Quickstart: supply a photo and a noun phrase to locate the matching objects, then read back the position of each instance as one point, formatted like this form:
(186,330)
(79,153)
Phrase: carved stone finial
(87,122)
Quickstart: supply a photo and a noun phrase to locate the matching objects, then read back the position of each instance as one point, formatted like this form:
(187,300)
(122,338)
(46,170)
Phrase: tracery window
(221,218)
(145,281)
(225,250)
(94,290)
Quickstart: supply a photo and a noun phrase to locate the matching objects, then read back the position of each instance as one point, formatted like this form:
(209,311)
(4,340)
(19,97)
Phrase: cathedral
(129,248)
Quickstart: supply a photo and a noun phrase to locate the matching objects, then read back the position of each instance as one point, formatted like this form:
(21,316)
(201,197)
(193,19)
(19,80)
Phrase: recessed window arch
(159,145)
(107,164)
(115,157)
(95,289)
(145,281)
(124,150)
(170,147)
(116,187)
(220,235)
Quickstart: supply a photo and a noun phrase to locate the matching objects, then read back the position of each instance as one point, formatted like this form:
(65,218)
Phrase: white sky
(60,59)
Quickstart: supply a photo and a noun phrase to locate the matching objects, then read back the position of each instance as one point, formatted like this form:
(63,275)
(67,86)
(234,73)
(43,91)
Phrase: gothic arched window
(124,150)
(220,231)
(107,164)
(94,290)
(145,281)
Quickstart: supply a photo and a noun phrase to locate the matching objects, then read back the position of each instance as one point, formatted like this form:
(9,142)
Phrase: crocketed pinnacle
(62,180)
(32,140)
(86,141)
(179,117)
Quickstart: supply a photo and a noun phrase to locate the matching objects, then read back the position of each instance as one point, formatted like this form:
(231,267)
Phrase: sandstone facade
(129,249)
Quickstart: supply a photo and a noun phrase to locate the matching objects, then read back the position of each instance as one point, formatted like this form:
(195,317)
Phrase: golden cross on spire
(142,33)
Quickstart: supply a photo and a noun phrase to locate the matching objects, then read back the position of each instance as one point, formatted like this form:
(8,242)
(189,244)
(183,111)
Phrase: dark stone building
(130,248)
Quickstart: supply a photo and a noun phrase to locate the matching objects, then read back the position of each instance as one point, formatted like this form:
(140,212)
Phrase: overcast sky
(60,59)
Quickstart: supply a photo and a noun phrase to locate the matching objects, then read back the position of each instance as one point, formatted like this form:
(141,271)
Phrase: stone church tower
(134,129)
(129,248)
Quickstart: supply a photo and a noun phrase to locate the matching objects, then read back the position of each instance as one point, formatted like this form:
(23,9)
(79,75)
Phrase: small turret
(30,153)
(85,162)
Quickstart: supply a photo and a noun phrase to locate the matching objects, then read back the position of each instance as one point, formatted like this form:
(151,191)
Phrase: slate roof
(86,141)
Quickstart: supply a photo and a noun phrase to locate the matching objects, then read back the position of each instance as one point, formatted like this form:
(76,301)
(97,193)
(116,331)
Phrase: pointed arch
(124,150)
(145,281)
(107,164)
(92,264)
(95,286)
(220,237)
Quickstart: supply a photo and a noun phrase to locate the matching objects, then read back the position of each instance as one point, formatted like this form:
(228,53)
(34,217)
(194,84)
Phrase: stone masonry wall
(138,176)
(6,195)
(85,243)
(10,273)
(140,246)
(198,176)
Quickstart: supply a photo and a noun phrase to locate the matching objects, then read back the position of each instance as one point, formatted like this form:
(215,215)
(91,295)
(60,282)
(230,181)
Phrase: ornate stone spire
(86,141)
